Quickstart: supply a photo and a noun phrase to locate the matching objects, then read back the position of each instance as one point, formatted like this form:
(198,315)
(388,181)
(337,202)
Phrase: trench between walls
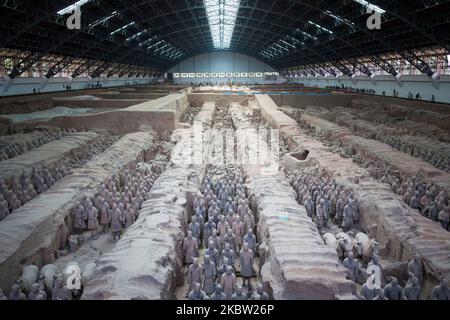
(179,267)
(372,221)
(42,244)
(222,154)
(273,261)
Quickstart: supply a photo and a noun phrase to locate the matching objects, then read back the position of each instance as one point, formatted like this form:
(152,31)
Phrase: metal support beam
(25,64)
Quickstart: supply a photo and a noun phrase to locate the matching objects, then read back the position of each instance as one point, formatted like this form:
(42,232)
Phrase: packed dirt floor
(165,192)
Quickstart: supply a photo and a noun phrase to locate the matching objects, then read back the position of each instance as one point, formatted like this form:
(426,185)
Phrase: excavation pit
(287,264)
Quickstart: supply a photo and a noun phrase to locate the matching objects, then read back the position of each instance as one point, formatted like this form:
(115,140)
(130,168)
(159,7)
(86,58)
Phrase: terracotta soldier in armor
(60,291)
(347,222)
(197,293)
(195,273)
(413,290)
(36,293)
(249,221)
(16,293)
(105,218)
(246,258)
(415,267)
(321,214)
(238,231)
(92,217)
(222,227)
(393,291)
(79,217)
(259,294)
(207,229)
(190,248)
(218,293)
(116,225)
(309,206)
(195,228)
(213,253)
(239,294)
(209,275)
(4,212)
(441,291)
(250,239)
(228,282)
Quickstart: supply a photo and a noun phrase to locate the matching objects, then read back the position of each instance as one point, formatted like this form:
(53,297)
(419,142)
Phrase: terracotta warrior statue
(190,248)
(246,258)
(197,293)
(209,275)
(195,273)
(228,282)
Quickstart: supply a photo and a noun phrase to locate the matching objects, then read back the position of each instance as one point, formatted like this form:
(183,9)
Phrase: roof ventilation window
(370,6)
(73,7)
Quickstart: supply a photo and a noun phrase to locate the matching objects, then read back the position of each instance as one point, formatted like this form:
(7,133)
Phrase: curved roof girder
(184,25)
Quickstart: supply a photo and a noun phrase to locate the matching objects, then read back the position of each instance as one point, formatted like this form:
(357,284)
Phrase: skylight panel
(295,41)
(155,44)
(137,35)
(148,41)
(103,20)
(152,44)
(287,43)
(281,47)
(371,6)
(71,8)
(320,27)
(222,16)
(339,18)
(162,47)
(306,34)
(177,55)
(167,51)
(275,50)
(123,28)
